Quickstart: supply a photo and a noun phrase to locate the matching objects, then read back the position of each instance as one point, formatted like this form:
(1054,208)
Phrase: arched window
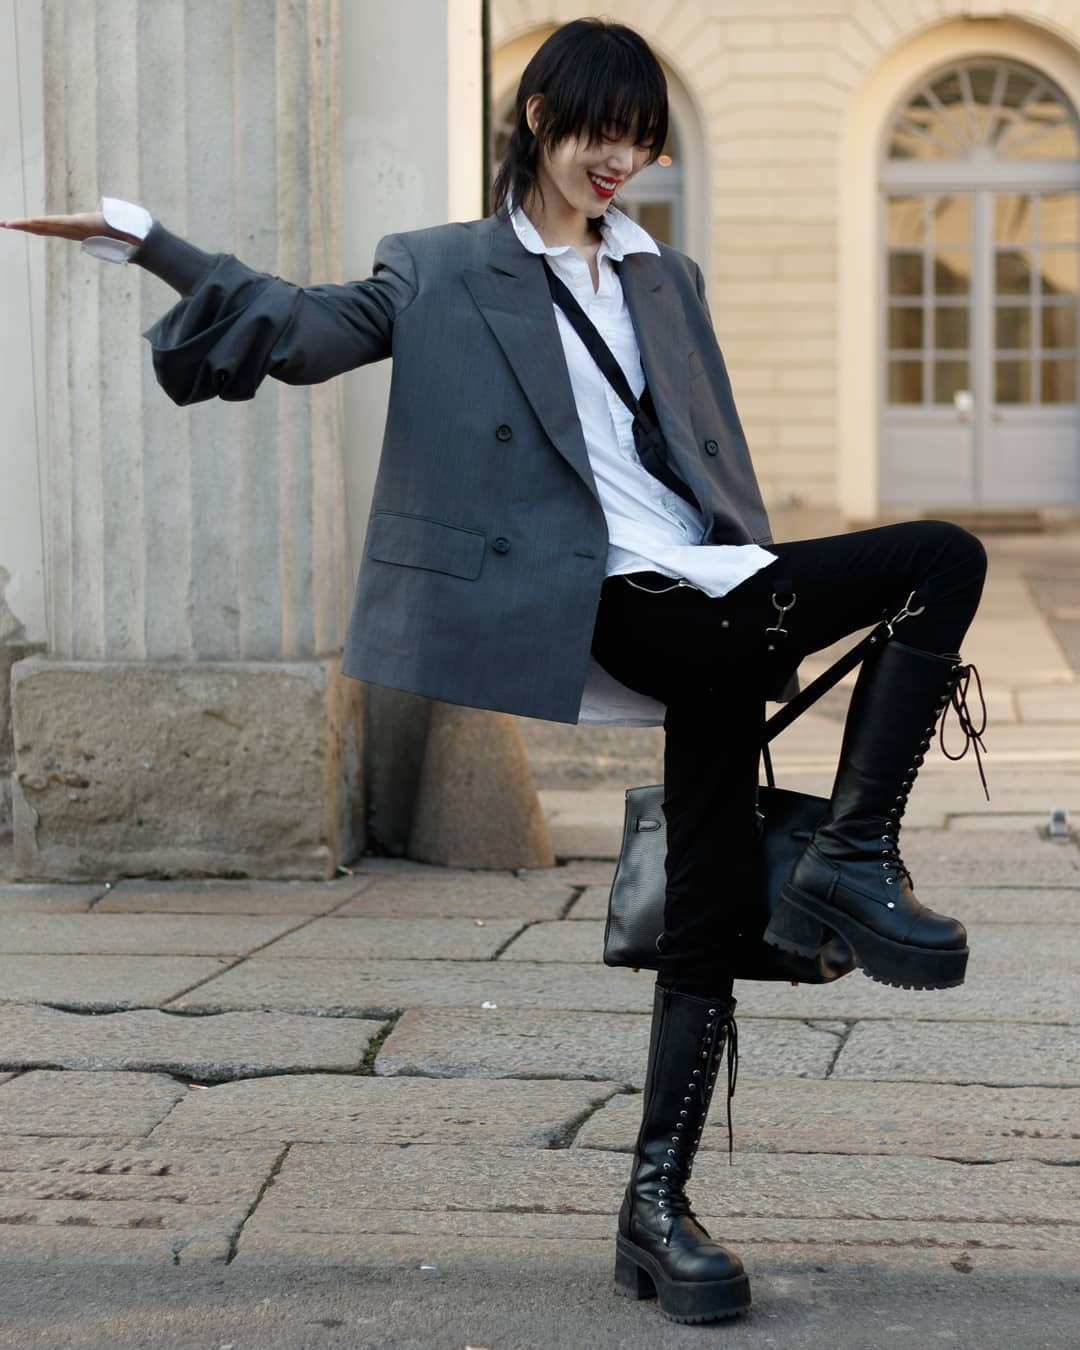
(981,220)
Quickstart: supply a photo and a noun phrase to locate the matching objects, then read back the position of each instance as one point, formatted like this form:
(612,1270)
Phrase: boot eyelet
(697,1073)
(890,904)
(667,1167)
(680,1126)
(889,881)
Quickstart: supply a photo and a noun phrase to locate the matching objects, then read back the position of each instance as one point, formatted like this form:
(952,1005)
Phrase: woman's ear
(532,111)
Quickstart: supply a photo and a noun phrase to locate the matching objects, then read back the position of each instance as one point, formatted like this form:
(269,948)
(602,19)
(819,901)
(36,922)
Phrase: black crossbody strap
(597,348)
(816,688)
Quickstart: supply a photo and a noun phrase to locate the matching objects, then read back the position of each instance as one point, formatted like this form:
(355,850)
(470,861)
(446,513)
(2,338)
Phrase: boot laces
(973,735)
(956,701)
(721,1034)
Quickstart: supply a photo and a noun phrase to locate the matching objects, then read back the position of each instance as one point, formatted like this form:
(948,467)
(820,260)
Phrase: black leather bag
(633,935)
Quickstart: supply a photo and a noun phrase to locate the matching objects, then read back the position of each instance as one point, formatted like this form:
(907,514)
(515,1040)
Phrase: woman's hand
(86,225)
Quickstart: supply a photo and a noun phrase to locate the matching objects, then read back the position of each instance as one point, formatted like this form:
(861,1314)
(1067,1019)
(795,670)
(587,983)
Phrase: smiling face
(579,176)
(587,174)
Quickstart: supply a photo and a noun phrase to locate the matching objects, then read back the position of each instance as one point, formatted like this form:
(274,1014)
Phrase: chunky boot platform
(850,879)
(661,1250)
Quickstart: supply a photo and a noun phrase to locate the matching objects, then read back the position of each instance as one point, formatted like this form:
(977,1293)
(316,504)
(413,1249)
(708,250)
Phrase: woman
(527,552)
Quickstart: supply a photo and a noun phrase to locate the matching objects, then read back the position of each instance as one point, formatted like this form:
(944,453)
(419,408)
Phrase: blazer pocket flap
(415,541)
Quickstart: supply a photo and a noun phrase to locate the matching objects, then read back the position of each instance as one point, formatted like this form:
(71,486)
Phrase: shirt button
(503,432)
(501,545)
(711,448)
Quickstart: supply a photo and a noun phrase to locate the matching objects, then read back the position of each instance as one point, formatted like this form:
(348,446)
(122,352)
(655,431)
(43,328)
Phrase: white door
(981,223)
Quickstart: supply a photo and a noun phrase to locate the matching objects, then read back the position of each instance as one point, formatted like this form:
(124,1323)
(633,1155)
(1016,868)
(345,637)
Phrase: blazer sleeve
(234,326)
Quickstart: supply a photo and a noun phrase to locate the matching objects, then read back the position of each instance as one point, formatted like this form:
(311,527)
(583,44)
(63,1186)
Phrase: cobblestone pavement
(396,1109)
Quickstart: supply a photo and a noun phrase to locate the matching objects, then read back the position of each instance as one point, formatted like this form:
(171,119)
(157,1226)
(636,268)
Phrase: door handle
(964,403)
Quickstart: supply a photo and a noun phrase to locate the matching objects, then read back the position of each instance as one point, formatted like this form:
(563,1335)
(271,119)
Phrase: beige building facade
(883,196)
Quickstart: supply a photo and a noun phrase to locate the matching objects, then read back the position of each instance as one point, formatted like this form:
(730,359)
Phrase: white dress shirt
(650,528)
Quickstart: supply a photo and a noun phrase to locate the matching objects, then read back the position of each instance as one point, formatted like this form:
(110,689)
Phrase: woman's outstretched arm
(234,326)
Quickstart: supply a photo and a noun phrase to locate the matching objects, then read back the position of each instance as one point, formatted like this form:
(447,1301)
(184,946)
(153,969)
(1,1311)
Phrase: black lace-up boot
(661,1249)
(851,879)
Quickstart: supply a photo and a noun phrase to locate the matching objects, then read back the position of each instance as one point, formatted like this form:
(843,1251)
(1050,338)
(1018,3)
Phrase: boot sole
(801,923)
(639,1275)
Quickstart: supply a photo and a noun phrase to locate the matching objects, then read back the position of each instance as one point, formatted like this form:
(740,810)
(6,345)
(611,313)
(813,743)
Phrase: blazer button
(501,545)
(711,448)
(503,432)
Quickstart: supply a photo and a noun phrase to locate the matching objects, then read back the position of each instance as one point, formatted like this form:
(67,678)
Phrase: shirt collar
(619,235)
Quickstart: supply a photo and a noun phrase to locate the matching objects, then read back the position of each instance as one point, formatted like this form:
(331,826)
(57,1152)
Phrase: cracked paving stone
(988,994)
(213,1048)
(137,934)
(395,939)
(43,897)
(228,897)
(106,1200)
(936,1052)
(413,890)
(502,1043)
(321,1189)
(103,982)
(304,984)
(400,1111)
(568,940)
(784,1115)
(54,1103)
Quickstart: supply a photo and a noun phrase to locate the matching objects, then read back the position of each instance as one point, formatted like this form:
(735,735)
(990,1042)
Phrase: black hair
(596,77)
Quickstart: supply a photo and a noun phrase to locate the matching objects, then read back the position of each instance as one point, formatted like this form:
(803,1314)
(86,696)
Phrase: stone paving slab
(1050,703)
(215,1048)
(103,982)
(228,897)
(339,1182)
(931,1052)
(46,898)
(84,1197)
(412,880)
(396,939)
(977,904)
(799,1115)
(6,1077)
(346,1110)
(988,994)
(592,903)
(970,858)
(1044,946)
(139,934)
(376,988)
(563,940)
(1005,904)
(303,984)
(82,1104)
(604,1046)
(580,872)
(796,1275)
(405,898)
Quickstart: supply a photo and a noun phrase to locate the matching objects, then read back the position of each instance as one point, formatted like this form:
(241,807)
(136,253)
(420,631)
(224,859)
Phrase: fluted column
(217,532)
(196,557)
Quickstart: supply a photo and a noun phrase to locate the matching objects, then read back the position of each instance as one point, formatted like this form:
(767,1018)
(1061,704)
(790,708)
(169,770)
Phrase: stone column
(189,715)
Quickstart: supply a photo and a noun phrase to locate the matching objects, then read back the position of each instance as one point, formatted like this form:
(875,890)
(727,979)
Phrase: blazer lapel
(513,296)
(664,343)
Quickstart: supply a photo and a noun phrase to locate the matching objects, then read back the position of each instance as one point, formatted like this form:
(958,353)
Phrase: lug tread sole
(734,1292)
(807,909)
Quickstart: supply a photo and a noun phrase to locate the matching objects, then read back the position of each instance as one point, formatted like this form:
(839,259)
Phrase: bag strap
(805,698)
(597,348)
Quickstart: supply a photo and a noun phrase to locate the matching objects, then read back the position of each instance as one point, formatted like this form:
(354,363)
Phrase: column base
(229,769)
(10,652)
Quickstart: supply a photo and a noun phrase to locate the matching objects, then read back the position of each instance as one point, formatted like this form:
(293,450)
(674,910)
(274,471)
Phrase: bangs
(597,79)
(606,86)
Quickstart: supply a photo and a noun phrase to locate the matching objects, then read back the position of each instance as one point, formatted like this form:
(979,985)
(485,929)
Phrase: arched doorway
(980,218)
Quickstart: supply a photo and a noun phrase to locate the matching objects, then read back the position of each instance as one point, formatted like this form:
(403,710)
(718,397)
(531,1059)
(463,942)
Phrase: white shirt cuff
(121,215)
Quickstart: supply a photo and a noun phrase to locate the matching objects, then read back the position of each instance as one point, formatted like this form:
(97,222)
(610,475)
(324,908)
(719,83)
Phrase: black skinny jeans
(708,661)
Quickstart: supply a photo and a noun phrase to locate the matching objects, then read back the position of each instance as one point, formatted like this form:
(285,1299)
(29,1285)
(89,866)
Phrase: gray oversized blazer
(486,544)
